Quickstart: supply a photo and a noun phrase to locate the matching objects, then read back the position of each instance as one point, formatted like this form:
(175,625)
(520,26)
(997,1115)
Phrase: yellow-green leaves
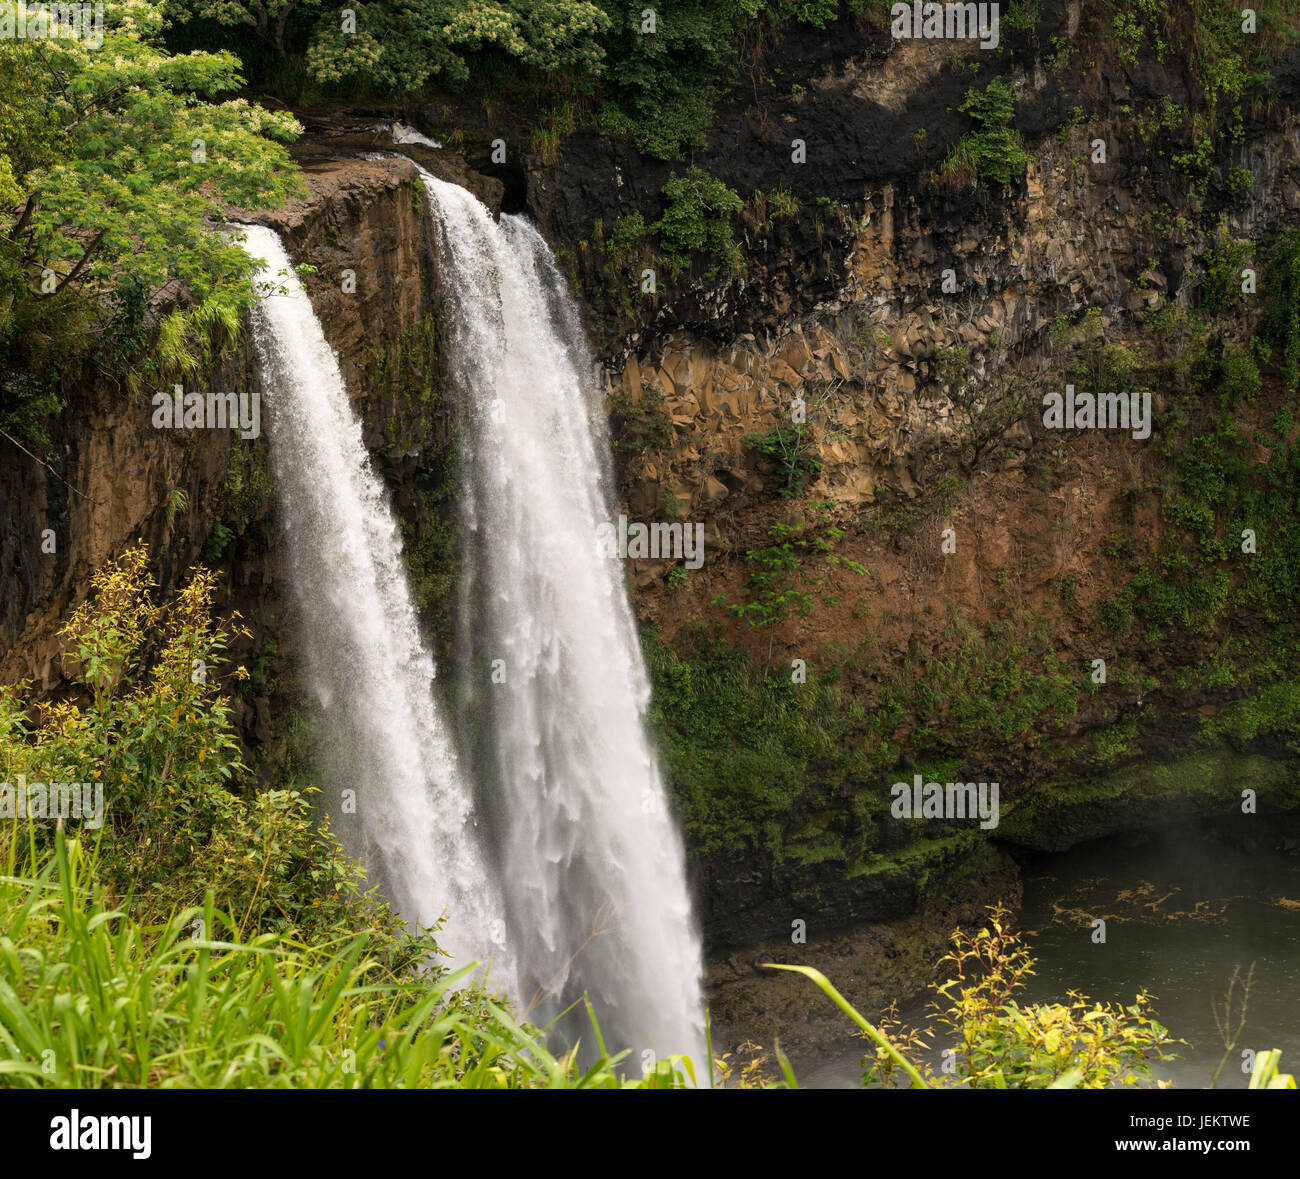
(1265,1074)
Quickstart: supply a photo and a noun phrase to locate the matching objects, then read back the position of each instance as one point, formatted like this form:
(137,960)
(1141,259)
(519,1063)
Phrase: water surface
(1184,908)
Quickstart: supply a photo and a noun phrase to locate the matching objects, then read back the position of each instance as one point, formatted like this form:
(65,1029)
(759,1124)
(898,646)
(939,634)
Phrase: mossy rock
(1150,794)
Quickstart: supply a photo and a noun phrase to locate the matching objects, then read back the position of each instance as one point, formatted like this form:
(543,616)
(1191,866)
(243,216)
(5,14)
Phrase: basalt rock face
(363,233)
(848,303)
(108,483)
(746,903)
(872,115)
(863,358)
(845,313)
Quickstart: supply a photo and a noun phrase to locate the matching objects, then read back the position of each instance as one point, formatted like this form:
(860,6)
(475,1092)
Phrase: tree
(983,411)
(664,83)
(267,18)
(113,161)
(403,46)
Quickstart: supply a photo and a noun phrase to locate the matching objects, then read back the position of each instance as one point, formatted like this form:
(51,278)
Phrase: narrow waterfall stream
(392,782)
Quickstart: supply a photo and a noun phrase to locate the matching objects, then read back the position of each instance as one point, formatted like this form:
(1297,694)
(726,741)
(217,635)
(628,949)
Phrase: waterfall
(382,736)
(569,874)
(553,681)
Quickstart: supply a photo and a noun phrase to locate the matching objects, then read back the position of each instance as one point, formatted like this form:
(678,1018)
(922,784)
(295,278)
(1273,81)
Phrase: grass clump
(183,932)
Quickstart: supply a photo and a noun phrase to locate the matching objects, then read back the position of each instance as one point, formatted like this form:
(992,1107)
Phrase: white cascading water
(382,735)
(589,857)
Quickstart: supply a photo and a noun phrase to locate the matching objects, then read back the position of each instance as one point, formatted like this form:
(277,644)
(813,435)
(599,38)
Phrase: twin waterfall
(526,806)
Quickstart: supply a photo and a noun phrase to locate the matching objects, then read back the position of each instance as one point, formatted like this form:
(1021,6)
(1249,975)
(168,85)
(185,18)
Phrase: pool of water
(1184,908)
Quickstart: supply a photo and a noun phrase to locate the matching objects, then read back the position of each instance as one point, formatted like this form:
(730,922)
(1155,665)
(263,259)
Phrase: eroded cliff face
(847,320)
(863,361)
(841,323)
(108,483)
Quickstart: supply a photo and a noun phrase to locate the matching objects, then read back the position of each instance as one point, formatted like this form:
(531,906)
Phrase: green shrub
(662,86)
(993,150)
(1223,265)
(641,426)
(743,749)
(788,446)
(697,219)
(160,742)
(1003,1044)
(628,233)
(1241,378)
(1282,286)
(776,203)
(1115,612)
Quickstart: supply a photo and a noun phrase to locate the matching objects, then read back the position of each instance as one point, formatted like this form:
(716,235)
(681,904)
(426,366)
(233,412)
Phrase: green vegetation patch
(994,150)
(697,220)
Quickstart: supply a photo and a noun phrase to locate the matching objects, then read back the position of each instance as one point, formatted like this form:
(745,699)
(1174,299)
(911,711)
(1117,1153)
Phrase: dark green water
(1183,908)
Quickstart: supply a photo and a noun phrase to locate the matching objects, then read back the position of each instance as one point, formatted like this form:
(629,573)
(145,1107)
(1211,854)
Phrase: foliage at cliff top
(113,158)
(404,46)
(657,68)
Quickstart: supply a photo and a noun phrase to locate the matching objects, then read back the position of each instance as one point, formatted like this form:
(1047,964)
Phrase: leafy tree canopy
(266,18)
(403,45)
(112,161)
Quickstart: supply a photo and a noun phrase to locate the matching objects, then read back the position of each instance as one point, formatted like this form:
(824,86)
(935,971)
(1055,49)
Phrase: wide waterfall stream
(535,818)
(393,782)
(582,838)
